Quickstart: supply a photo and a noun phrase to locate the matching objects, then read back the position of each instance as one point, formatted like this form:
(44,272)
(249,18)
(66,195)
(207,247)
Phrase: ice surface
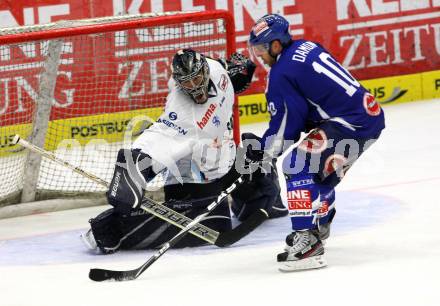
(384,248)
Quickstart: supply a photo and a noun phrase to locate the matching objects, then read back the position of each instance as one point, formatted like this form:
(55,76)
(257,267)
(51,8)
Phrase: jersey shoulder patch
(224,82)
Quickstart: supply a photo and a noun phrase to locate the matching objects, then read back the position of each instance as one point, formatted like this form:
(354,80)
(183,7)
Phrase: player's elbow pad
(132,172)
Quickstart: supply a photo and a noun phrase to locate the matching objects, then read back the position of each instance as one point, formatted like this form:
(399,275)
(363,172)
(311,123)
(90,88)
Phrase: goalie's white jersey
(194,141)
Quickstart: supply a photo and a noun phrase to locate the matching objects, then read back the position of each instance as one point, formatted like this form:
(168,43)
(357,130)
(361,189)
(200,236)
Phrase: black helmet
(191,73)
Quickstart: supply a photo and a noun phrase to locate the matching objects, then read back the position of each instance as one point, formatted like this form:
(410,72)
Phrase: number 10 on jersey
(337,73)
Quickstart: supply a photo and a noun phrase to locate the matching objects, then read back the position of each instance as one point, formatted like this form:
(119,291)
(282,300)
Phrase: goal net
(73,88)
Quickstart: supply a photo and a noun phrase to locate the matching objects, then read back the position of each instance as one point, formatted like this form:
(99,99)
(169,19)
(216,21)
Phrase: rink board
(110,127)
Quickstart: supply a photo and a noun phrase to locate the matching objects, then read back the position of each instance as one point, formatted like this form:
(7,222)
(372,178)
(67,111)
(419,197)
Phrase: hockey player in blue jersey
(308,91)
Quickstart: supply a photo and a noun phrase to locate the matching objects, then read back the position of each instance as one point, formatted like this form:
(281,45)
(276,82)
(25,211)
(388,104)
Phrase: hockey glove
(263,191)
(240,70)
(252,143)
(250,156)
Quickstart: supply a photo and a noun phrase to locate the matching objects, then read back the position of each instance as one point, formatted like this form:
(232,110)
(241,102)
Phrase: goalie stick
(99,275)
(163,212)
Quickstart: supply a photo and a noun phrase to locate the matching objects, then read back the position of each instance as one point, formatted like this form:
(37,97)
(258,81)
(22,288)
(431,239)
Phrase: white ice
(384,248)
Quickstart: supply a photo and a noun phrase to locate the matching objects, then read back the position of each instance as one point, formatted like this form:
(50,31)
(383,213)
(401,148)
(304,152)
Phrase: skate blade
(314,262)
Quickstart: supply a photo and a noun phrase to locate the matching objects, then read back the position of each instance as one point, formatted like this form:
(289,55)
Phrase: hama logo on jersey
(260,27)
(315,142)
(299,202)
(371,105)
(223,83)
(208,114)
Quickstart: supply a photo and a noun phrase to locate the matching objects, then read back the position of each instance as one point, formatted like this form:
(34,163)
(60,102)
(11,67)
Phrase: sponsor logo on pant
(299,202)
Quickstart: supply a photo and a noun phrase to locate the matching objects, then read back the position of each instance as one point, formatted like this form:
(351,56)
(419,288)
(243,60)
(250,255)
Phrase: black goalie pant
(141,230)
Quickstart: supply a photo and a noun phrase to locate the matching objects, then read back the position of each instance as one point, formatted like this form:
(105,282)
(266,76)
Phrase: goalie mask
(191,72)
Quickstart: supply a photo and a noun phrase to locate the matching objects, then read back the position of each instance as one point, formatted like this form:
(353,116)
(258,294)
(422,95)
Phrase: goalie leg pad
(132,172)
(141,230)
(106,231)
(113,231)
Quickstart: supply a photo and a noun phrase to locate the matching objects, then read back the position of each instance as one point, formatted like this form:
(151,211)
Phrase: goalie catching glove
(240,70)
(132,172)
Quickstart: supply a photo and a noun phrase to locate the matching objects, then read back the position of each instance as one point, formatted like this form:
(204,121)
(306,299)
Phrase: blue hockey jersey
(307,85)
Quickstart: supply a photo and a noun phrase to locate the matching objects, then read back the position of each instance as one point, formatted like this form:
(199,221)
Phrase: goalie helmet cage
(73,87)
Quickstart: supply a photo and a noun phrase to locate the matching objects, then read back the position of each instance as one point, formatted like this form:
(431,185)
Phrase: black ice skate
(303,251)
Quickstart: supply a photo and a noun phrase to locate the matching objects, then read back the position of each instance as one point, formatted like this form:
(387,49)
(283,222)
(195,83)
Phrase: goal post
(73,87)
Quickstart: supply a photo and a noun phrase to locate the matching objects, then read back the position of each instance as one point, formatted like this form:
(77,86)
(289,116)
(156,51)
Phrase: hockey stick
(100,275)
(163,212)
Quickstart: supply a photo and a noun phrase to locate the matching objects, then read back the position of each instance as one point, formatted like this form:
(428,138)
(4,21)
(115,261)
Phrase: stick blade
(100,275)
(242,230)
